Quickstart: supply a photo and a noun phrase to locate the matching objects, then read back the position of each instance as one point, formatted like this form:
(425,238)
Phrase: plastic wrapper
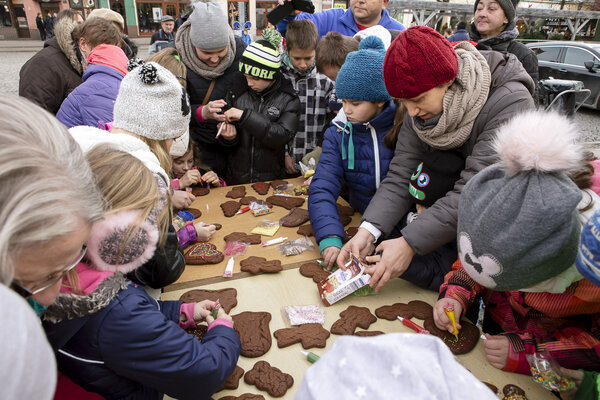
(178,223)
(300,315)
(284,190)
(545,371)
(294,247)
(308,170)
(259,207)
(266,227)
(233,249)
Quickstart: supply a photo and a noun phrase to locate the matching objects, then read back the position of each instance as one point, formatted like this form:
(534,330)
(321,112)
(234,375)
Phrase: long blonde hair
(47,189)
(159,149)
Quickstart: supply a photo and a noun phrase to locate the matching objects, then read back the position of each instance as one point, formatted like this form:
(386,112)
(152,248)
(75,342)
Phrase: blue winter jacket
(371,161)
(92,101)
(342,21)
(459,36)
(133,348)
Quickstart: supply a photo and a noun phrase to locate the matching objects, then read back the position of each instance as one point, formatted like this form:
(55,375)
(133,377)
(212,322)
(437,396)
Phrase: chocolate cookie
(245,396)
(253,238)
(345,210)
(253,329)
(315,271)
(285,201)
(310,335)
(261,188)
(368,333)
(233,381)
(227,297)
(306,230)
(217,226)
(345,220)
(194,211)
(511,392)
(230,208)
(353,317)
(296,217)
(257,265)
(203,253)
(467,336)
(200,191)
(247,199)
(268,378)
(278,182)
(198,331)
(414,309)
(349,233)
(491,387)
(236,193)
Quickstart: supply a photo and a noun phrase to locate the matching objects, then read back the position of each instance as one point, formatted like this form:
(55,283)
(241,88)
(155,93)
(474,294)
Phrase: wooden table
(272,292)
(194,275)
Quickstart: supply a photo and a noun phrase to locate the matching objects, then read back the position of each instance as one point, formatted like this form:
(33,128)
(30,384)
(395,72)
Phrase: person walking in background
(39,22)
(460,34)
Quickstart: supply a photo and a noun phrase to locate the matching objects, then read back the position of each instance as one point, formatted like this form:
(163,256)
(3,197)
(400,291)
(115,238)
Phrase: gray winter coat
(510,93)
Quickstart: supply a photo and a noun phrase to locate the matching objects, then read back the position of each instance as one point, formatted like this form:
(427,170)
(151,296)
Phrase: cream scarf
(462,102)
(186,49)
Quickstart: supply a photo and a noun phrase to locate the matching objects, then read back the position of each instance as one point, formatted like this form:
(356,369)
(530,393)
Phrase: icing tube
(228,269)
(273,241)
(407,322)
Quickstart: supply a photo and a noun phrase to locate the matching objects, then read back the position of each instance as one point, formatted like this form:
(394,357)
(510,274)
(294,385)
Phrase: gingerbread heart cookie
(345,220)
(315,271)
(306,230)
(270,379)
(310,335)
(257,265)
(227,297)
(230,208)
(236,193)
(261,188)
(414,309)
(233,381)
(467,336)
(296,217)
(253,329)
(351,318)
(194,211)
(253,238)
(285,202)
(247,200)
(200,191)
(203,253)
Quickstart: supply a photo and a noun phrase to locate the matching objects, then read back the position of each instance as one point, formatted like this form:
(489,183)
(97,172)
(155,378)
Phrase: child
(518,233)
(353,150)
(265,112)
(149,90)
(92,102)
(314,90)
(109,335)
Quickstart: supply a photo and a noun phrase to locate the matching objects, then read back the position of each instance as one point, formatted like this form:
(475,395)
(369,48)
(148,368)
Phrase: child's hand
(329,255)
(212,178)
(214,110)
(290,165)
(441,319)
(190,178)
(182,199)
(229,132)
(203,231)
(220,314)
(202,310)
(233,114)
(496,350)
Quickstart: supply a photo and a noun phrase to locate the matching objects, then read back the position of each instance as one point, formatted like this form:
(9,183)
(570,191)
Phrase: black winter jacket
(212,151)
(269,121)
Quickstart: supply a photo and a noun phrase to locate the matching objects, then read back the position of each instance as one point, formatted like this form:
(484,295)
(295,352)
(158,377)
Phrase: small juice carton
(342,283)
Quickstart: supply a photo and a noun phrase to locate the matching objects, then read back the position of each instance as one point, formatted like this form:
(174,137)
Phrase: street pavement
(14,53)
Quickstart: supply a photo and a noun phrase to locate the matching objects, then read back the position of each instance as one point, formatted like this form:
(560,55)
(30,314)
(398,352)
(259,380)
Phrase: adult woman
(493,28)
(455,100)
(48,200)
(211,54)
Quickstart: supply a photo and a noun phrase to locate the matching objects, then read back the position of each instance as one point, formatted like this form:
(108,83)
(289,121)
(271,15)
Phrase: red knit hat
(418,60)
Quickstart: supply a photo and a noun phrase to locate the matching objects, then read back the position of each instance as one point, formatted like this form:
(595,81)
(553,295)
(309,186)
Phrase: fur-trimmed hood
(63,30)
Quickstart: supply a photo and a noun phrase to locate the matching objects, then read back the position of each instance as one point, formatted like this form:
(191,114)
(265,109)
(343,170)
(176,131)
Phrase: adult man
(460,34)
(39,22)
(361,15)
(162,38)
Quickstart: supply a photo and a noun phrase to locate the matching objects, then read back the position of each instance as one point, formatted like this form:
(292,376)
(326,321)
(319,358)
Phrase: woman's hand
(360,245)
(214,110)
(395,259)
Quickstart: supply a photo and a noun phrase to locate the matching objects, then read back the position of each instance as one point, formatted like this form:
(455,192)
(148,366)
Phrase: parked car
(579,61)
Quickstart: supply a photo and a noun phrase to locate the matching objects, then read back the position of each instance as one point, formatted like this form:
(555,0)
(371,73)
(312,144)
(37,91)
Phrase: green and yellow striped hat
(260,60)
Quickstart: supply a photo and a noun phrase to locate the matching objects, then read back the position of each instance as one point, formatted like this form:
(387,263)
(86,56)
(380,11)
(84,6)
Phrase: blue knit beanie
(361,76)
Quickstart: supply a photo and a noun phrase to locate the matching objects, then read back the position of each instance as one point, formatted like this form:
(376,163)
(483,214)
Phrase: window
(547,53)
(577,57)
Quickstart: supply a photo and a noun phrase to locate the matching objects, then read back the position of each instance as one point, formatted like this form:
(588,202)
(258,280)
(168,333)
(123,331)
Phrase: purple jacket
(92,102)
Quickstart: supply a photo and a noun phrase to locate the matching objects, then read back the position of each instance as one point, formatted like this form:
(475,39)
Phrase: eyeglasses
(50,280)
